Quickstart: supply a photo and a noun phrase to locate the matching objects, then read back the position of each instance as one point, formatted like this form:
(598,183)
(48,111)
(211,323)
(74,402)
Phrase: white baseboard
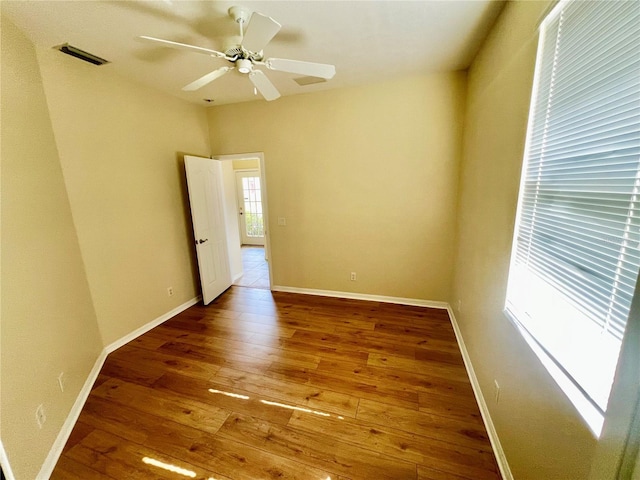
(501,458)
(4,462)
(152,324)
(362,296)
(56,450)
(63,436)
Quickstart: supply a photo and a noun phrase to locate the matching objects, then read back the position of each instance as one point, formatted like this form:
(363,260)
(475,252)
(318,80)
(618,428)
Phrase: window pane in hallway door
(250,206)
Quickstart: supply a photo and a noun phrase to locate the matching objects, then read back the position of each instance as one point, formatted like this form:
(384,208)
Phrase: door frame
(265,206)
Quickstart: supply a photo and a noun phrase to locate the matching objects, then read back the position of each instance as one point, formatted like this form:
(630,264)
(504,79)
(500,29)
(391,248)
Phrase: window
(576,250)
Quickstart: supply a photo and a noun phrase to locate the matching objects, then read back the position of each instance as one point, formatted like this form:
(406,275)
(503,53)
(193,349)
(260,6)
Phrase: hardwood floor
(262,385)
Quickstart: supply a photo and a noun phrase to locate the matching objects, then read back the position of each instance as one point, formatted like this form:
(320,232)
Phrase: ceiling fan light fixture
(243,65)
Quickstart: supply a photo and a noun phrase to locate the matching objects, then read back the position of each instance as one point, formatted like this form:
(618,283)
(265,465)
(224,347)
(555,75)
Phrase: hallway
(255,267)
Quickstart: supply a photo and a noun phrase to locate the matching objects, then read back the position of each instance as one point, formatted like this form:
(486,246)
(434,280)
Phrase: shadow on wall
(188,225)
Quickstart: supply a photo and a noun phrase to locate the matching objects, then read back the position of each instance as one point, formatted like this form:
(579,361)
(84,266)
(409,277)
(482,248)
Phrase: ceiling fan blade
(264,85)
(182,46)
(321,70)
(206,79)
(260,30)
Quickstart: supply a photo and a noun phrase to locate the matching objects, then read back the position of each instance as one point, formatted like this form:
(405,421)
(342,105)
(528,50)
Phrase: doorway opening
(246,219)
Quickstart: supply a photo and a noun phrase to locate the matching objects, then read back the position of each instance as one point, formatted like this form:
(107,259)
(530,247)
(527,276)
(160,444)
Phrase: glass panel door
(250,207)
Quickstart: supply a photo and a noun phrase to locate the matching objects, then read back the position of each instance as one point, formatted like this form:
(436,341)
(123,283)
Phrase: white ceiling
(367,41)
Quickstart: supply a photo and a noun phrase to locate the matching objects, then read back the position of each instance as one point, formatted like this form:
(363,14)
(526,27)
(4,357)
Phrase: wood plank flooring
(265,385)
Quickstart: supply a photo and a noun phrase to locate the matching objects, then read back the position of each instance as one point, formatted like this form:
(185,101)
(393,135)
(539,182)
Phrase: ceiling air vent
(81,54)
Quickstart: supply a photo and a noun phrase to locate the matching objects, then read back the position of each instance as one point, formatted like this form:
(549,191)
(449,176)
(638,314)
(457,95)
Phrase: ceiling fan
(249,53)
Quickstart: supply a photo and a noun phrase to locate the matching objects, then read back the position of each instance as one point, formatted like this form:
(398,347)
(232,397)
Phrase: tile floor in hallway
(255,267)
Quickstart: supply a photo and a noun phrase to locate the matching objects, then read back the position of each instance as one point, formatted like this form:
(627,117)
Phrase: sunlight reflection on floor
(229,394)
(169,467)
(275,404)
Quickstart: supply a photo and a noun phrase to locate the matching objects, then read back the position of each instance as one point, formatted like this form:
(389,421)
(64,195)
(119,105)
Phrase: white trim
(65,431)
(589,413)
(152,324)
(56,450)
(362,296)
(4,462)
(63,435)
(239,156)
(501,458)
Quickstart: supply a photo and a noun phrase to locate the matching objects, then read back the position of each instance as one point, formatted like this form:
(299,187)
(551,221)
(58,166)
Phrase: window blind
(577,237)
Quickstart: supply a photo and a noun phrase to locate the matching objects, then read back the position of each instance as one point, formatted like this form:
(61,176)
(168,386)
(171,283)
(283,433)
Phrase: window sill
(589,413)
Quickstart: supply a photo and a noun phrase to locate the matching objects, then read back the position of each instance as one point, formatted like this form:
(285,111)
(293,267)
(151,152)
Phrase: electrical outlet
(40,416)
(61,381)
(353,276)
(496,391)
(282,221)
(170,291)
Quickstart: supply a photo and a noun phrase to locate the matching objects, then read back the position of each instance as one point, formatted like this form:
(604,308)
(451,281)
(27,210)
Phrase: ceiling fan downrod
(240,15)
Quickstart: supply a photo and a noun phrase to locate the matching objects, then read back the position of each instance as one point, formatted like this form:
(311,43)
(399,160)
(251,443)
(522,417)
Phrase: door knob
(202,241)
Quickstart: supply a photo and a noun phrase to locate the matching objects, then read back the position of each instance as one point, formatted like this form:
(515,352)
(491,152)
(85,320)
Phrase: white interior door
(250,207)
(204,180)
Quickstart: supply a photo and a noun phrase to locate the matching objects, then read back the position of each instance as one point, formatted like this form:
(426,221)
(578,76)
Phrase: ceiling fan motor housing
(243,65)
(235,52)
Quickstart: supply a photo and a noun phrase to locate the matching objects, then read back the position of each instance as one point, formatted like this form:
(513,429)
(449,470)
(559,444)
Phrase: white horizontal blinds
(579,226)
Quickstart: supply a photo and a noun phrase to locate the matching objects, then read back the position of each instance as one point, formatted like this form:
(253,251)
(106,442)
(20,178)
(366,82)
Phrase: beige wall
(120,148)
(246,164)
(542,435)
(95,222)
(48,320)
(367,181)
(95,227)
